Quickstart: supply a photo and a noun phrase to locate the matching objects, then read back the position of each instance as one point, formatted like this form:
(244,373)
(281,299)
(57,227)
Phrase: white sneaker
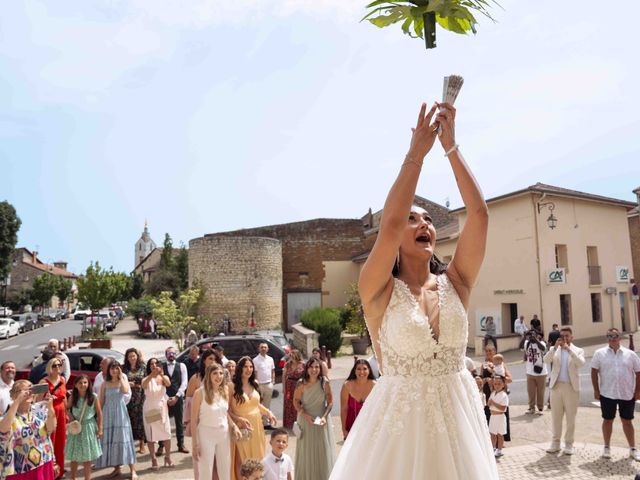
(539,412)
(553,449)
(633,453)
(531,411)
(568,450)
(606,453)
(498,453)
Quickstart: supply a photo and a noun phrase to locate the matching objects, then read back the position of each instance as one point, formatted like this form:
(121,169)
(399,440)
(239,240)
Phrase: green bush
(325,321)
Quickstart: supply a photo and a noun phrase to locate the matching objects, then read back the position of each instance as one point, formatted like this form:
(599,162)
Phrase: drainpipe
(535,225)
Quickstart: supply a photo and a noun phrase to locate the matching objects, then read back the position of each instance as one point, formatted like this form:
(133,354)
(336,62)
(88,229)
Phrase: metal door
(298,302)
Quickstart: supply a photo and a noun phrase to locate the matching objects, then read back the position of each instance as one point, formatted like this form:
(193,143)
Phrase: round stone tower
(242,277)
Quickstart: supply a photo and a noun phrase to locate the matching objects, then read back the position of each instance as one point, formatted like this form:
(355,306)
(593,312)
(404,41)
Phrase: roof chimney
(60,265)
(637,192)
(34,257)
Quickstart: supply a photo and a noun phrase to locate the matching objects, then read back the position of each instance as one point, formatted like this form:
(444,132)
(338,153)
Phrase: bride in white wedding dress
(424,419)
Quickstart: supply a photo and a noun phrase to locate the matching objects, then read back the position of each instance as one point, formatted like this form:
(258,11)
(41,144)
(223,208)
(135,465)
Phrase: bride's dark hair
(436,266)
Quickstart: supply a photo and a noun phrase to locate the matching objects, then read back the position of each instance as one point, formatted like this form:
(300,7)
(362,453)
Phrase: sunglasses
(56,365)
(613,337)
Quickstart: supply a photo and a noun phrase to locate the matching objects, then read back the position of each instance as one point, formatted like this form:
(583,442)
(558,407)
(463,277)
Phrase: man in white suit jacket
(566,361)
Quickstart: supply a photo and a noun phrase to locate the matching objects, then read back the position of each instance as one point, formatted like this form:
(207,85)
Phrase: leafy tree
(44,287)
(120,287)
(18,300)
(352,314)
(162,281)
(9,226)
(95,289)
(166,257)
(181,267)
(175,318)
(63,288)
(325,321)
(136,285)
(141,308)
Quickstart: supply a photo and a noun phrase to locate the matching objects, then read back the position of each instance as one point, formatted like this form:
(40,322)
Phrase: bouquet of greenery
(419,17)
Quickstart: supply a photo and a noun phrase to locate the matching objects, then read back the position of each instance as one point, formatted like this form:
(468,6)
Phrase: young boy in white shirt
(277,464)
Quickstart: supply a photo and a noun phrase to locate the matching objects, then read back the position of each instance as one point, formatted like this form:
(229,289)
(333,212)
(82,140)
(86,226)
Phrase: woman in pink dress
(156,412)
(355,391)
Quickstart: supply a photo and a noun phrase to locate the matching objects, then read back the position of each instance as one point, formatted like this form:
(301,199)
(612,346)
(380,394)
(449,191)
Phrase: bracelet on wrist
(410,160)
(451,150)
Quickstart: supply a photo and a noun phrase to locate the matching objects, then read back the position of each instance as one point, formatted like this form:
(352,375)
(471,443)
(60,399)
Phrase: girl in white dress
(423,420)
(498,403)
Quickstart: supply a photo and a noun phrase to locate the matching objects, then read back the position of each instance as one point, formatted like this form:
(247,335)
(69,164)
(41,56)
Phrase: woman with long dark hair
(416,312)
(134,369)
(246,411)
(84,447)
(355,391)
(313,400)
(118,446)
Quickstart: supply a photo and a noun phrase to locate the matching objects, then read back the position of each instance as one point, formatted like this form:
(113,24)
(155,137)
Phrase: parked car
(278,337)
(5,312)
(27,321)
(82,362)
(50,314)
(8,328)
(238,346)
(81,313)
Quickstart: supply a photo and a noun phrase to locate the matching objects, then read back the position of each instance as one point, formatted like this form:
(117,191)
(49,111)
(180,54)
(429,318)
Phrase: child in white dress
(498,403)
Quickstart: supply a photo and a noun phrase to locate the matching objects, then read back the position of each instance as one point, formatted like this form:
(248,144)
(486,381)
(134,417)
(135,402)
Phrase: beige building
(561,254)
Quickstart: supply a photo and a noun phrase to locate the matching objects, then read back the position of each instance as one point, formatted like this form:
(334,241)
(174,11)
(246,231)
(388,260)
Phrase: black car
(238,346)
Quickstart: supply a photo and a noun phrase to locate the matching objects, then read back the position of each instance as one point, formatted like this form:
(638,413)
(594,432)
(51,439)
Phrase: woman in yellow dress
(246,411)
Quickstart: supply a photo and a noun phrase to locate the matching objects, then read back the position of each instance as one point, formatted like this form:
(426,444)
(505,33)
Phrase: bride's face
(419,238)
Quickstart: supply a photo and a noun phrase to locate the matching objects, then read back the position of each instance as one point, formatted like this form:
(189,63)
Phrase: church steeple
(144,246)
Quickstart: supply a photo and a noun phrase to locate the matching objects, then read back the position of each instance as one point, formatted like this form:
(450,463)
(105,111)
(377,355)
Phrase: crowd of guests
(223,406)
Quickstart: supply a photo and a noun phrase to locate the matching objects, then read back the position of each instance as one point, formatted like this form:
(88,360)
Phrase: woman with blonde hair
(58,390)
(291,374)
(26,452)
(211,421)
(155,411)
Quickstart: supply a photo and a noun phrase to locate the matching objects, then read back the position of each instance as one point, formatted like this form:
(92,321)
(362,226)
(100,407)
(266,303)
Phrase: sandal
(167,462)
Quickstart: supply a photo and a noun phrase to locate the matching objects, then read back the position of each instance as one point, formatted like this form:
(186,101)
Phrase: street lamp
(551,220)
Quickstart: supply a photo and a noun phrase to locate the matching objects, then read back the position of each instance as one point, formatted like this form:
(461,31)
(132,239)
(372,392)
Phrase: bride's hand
(446,119)
(424,134)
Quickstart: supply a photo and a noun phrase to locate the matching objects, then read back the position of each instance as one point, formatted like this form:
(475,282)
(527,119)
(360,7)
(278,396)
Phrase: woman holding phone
(26,452)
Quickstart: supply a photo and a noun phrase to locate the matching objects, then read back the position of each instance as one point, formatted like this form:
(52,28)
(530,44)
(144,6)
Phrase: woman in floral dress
(26,452)
(292,373)
(135,370)
(58,390)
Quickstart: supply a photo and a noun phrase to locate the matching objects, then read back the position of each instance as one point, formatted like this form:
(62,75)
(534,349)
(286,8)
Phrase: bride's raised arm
(375,283)
(465,266)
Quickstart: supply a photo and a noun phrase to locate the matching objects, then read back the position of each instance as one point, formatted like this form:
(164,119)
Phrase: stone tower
(144,246)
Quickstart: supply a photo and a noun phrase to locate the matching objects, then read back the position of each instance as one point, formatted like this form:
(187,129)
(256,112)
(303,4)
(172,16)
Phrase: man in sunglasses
(615,375)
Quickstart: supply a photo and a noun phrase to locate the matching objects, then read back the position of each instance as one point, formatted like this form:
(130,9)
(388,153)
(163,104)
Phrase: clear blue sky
(212,115)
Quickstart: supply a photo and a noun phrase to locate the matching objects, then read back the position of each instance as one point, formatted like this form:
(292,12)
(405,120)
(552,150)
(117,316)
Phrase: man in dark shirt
(38,373)
(554,335)
(536,324)
(192,362)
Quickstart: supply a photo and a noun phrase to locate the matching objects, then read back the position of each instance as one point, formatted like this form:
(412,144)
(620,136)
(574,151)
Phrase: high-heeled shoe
(167,462)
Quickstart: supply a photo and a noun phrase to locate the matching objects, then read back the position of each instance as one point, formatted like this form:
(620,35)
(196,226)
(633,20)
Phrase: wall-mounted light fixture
(552,221)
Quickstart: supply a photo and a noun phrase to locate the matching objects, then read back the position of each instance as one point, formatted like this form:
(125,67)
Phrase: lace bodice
(406,340)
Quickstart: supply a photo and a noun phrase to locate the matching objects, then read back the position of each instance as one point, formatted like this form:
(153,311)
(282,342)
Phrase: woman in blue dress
(118,447)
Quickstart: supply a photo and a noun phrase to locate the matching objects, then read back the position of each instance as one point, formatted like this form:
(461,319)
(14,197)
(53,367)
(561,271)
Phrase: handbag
(153,415)
(246,435)
(297,431)
(75,427)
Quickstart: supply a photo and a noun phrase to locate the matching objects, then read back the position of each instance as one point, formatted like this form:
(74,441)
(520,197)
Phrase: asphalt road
(23,348)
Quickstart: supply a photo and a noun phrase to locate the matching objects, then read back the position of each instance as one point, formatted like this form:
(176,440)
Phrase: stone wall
(305,245)
(239,274)
(634,234)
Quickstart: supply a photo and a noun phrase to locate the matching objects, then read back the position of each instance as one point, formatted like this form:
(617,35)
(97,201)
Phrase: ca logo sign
(556,276)
(624,274)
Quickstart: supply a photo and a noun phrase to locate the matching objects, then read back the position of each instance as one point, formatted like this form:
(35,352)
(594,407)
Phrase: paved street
(23,348)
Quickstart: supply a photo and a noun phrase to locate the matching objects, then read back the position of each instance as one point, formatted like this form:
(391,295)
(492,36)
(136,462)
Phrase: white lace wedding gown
(423,420)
